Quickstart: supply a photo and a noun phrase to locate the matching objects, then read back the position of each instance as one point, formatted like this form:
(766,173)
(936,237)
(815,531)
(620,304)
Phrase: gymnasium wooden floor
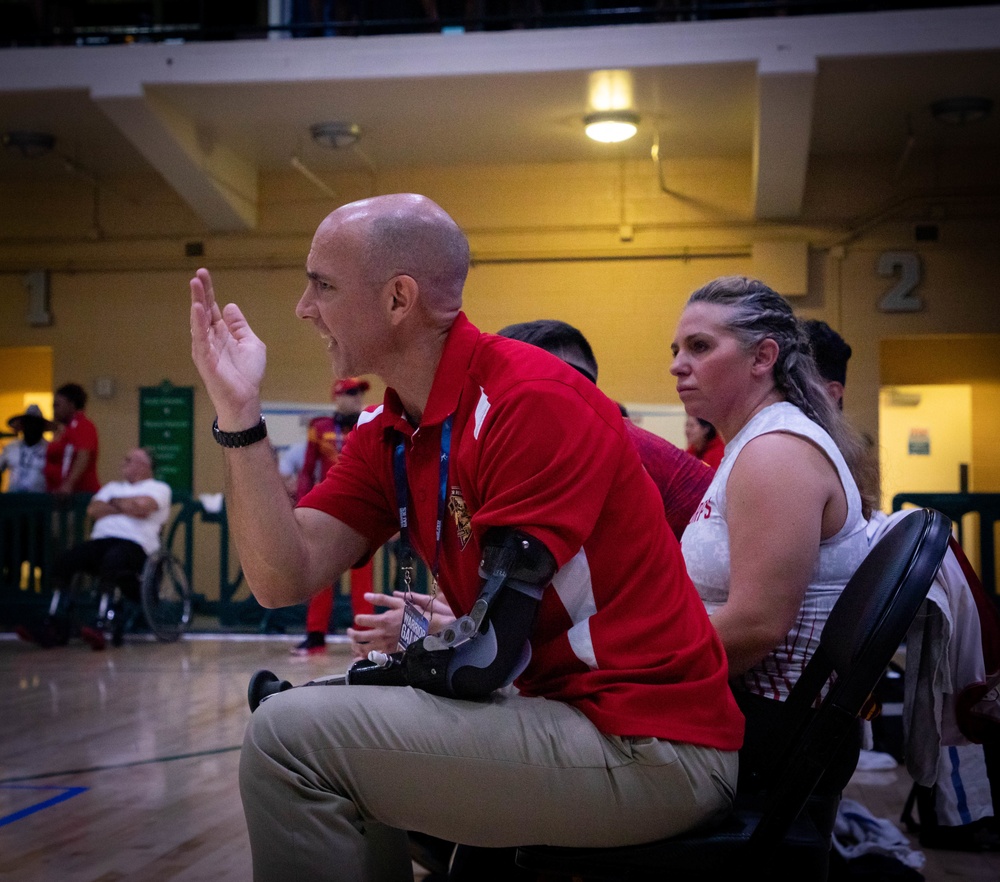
(121,765)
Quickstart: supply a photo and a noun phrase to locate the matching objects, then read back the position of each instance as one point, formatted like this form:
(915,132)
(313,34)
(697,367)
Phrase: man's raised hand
(228,355)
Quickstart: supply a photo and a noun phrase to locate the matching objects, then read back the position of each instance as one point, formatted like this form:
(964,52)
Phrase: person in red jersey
(325,440)
(71,458)
(513,478)
(704,442)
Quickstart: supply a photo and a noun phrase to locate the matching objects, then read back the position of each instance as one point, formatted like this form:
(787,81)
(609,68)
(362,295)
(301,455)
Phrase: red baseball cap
(350,386)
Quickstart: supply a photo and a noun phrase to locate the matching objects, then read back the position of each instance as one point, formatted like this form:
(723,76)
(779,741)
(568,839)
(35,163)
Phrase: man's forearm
(100,508)
(263,526)
(283,562)
(140,507)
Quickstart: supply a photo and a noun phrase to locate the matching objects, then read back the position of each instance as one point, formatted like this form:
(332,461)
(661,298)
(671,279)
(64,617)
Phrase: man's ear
(766,356)
(404,294)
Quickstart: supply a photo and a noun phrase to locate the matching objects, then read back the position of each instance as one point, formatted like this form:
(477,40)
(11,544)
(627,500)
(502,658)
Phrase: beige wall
(547,242)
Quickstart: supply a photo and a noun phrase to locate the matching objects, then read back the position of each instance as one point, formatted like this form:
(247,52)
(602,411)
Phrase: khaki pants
(332,776)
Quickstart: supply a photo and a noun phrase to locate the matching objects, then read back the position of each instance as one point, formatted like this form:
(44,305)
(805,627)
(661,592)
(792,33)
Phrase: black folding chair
(769,832)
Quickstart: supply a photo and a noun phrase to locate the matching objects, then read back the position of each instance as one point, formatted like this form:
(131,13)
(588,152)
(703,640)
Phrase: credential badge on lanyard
(415,624)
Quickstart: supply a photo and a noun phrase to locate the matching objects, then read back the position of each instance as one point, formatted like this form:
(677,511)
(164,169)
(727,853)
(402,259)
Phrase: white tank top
(705,544)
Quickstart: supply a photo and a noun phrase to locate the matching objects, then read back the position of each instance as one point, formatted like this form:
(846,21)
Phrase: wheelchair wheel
(166,596)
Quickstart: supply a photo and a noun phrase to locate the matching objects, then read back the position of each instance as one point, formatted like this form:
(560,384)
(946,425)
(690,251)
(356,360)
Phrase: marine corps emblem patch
(460,512)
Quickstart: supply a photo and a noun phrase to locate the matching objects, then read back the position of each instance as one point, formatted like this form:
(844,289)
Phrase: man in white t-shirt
(128,515)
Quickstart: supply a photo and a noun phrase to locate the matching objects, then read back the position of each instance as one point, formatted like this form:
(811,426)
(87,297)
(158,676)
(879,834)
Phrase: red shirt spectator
(71,460)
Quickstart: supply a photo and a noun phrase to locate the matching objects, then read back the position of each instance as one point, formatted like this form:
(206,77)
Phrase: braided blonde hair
(758,313)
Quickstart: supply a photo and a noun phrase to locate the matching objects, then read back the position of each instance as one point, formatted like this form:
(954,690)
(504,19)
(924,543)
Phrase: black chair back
(772,832)
(861,635)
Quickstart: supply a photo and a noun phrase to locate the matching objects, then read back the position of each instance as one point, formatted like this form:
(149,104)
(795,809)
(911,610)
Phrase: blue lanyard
(403,496)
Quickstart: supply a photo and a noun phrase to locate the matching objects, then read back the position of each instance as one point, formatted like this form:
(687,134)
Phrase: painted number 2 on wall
(902,297)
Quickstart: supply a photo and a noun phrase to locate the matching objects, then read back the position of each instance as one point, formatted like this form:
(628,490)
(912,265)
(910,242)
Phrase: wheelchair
(164,600)
(165,596)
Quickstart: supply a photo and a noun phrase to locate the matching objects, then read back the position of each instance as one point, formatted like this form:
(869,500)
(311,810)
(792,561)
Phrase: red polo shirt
(621,633)
(681,478)
(80,434)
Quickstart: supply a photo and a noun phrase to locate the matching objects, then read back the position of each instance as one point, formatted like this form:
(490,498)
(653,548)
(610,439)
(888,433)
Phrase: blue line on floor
(64,794)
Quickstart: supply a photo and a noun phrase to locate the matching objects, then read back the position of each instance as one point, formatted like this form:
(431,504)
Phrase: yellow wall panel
(602,245)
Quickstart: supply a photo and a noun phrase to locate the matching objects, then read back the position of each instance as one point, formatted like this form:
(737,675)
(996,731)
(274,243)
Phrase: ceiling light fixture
(31,145)
(611,126)
(962,110)
(335,135)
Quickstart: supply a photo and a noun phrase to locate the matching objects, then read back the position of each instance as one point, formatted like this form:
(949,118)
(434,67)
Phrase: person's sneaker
(314,644)
(93,636)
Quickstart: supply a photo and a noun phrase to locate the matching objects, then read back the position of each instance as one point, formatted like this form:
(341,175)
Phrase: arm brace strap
(481,651)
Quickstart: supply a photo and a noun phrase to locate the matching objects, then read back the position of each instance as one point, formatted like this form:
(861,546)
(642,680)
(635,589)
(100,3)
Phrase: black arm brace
(480,651)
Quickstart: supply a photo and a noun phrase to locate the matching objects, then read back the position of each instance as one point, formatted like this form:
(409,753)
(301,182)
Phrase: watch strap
(244,438)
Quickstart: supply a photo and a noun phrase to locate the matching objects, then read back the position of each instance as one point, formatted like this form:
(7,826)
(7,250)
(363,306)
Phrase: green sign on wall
(166,427)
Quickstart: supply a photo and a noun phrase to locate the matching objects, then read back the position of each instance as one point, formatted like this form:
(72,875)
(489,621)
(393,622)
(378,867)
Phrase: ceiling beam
(219,185)
(782,135)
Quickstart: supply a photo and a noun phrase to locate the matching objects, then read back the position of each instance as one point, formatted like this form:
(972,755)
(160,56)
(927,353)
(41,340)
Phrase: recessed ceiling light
(611,126)
(335,135)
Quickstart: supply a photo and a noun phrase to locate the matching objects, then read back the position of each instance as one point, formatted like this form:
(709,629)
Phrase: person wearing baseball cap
(352,386)
(25,457)
(324,441)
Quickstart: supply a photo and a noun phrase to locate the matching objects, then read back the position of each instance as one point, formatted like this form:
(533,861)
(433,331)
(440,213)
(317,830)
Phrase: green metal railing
(956,506)
(35,528)
(99,22)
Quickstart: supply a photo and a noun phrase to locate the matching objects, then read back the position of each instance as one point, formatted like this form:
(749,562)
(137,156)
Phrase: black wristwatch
(239,439)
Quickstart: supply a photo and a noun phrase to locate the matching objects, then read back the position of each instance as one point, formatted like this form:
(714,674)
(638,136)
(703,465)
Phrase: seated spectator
(703,441)
(782,526)
(681,481)
(513,479)
(25,457)
(128,515)
(71,458)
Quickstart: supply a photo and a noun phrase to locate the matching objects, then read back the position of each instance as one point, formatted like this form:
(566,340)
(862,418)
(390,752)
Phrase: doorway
(939,406)
(925,439)
(968,361)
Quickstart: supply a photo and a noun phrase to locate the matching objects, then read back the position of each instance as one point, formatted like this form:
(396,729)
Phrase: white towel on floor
(858,832)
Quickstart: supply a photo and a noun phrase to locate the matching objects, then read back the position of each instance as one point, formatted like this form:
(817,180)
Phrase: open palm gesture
(229,356)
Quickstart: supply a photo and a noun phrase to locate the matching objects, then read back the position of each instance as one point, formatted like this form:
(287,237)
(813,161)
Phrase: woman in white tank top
(782,526)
